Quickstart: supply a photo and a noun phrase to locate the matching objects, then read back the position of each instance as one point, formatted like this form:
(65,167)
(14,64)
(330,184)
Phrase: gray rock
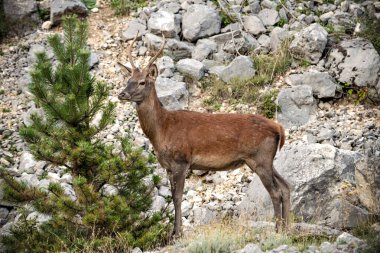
(158,204)
(309,43)
(165,66)
(203,215)
(21,16)
(29,179)
(176,49)
(250,248)
(326,16)
(38,48)
(191,67)
(268,4)
(135,26)
(109,190)
(40,218)
(173,95)
(164,191)
(200,21)
(19,9)
(240,68)
(297,105)
(137,250)
(27,163)
(269,17)
(277,36)
(322,84)
(253,25)
(165,23)
(231,28)
(242,44)
(204,49)
(356,62)
(171,7)
(59,8)
(93,60)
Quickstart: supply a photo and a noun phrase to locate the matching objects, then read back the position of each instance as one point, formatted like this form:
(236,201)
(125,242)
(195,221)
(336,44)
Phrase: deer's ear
(125,69)
(153,71)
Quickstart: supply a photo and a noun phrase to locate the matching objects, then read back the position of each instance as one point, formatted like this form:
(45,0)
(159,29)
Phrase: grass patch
(368,233)
(2,92)
(268,67)
(124,7)
(228,236)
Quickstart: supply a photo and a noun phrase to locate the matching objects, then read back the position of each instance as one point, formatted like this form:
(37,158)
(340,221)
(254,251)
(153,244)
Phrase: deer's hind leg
(267,176)
(285,197)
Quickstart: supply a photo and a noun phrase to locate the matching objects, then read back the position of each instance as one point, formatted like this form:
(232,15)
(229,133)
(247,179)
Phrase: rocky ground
(332,151)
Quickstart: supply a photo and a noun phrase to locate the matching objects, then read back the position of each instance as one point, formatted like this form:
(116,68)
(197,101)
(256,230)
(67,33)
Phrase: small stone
(47,25)
(95,10)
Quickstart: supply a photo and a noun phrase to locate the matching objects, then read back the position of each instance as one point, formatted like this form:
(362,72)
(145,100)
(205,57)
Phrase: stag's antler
(129,52)
(151,61)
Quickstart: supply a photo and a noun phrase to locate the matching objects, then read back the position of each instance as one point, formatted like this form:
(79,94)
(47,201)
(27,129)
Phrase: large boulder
(356,62)
(200,21)
(242,67)
(22,15)
(297,105)
(323,180)
(59,8)
(173,95)
(165,23)
(322,84)
(309,43)
(192,68)
(136,26)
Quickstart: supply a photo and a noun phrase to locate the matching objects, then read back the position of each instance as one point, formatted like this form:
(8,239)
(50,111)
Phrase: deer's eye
(142,82)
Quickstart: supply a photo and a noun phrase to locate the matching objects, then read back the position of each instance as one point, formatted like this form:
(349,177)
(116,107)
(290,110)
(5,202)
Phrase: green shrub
(124,7)
(267,106)
(3,22)
(68,137)
(90,4)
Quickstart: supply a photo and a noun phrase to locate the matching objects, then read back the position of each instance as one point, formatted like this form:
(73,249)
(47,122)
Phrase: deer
(187,140)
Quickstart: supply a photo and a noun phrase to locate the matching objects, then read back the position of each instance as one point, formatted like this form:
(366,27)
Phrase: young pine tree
(66,136)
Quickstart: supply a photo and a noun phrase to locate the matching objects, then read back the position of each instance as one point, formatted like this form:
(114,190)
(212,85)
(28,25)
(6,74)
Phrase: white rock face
(200,21)
(309,43)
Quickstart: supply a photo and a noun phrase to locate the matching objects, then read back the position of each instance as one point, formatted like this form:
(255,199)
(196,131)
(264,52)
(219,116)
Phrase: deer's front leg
(177,177)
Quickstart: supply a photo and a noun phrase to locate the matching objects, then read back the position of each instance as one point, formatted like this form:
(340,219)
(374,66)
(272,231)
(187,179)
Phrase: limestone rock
(297,105)
(322,84)
(173,95)
(200,21)
(136,26)
(191,67)
(59,8)
(309,43)
(241,67)
(253,25)
(165,23)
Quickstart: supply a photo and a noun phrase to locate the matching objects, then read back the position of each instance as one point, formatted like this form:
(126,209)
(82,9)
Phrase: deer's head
(141,81)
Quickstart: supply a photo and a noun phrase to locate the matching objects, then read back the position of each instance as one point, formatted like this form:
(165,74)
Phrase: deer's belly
(215,163)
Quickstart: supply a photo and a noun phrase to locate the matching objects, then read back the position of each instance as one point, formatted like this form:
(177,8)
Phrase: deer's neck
(151,116)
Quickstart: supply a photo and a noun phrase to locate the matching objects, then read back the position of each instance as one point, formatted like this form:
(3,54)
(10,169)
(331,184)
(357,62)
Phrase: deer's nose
(124,96)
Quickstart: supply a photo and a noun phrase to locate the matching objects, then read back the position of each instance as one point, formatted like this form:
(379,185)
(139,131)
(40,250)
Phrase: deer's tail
(281,137)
